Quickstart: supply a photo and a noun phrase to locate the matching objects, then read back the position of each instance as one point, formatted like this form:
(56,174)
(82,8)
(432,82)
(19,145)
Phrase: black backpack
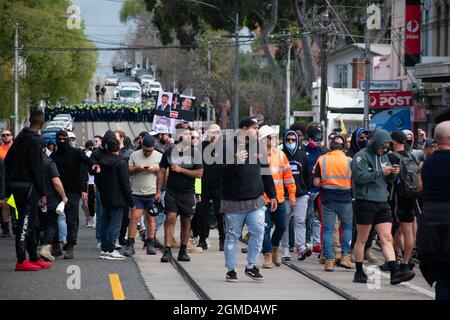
(406,184)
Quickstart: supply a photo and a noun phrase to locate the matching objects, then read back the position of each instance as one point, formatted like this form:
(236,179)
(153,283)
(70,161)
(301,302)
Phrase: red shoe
(41,263)
(27,265)
(317,248)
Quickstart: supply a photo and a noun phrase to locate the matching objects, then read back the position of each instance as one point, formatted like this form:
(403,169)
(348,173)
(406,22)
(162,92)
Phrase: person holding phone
(143,168)
(371,172)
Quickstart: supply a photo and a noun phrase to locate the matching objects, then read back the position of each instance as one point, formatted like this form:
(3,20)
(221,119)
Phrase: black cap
(62,133)
(314,133)
(429,142)
(398,136)
(247,122)
(148,142)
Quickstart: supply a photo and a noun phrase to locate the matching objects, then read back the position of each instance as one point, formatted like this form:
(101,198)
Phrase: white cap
(161,128)
(71,135)
(153,133)
(265,131)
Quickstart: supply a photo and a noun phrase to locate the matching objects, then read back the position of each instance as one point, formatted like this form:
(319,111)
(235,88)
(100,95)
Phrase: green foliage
(49,74)
(131,9)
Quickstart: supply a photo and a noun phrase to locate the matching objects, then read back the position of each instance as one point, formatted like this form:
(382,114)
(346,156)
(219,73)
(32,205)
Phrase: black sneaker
(384,267)
(203,245)
(167,256)
(221,245)
(231,276)
(305,253)
(183,256)
(244,250)
(158,245)
(360,277)
(400,276)
(254,273)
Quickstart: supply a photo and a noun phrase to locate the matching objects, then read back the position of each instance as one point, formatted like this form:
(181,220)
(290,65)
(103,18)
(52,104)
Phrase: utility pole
(323,75)
(367,61)
(208,107)
(16,81)
(236,72)
(288,87)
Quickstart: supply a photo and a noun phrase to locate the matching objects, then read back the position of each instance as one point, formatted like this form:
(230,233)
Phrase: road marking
(116,287)
(421,290)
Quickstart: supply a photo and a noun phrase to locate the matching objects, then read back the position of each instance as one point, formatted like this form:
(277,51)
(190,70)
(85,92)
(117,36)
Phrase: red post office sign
(412,32)
(392,99)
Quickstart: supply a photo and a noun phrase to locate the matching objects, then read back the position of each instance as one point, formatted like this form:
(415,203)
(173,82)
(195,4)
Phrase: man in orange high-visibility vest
(282,177)
(332,173)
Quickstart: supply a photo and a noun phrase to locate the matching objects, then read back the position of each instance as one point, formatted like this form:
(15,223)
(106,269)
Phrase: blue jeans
(112,221)
(234,223)
(62,227)
(345,213)
(279,217)
(99,214)
(312,222)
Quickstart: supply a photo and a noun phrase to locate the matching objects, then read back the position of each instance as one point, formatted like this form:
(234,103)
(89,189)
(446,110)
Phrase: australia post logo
(392,99)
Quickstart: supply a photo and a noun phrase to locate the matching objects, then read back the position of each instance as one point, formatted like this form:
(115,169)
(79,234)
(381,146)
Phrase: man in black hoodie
(243,184)
(298,161)
(69,161)
(115,192)
(25,180)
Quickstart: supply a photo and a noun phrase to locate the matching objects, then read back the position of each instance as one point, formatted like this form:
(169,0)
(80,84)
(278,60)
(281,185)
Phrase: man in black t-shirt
(184,164)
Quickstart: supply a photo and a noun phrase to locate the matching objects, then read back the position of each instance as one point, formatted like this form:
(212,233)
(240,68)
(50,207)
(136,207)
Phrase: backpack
(406,184)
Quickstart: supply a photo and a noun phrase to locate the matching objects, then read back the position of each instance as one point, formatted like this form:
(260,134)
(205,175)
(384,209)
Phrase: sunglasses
(291,139)
(6,134)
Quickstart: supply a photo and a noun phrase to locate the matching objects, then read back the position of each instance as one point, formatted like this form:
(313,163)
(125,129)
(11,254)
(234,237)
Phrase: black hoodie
(98,154)
(114,182)
(23,162)
(298,161)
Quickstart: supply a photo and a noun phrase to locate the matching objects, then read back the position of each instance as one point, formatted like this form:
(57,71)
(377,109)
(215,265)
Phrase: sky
(101,18)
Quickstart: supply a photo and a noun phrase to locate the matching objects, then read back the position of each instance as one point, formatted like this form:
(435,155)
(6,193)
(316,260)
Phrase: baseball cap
(62,133)
(247,122)
(148,142)
(398,136)
(72,135)
(429,142)
(153,133)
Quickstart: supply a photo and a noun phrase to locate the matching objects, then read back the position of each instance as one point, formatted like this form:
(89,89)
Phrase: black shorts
(181,203)
(406,214)
(372,213)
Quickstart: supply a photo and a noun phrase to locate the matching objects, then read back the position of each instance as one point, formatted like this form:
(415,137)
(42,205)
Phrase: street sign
(382,85)
(305,113)
(393,99)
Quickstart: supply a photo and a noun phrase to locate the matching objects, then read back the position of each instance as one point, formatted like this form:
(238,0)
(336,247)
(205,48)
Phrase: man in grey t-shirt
(143,168)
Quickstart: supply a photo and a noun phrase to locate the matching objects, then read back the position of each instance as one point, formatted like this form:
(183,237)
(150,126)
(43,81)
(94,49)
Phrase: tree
(49,74)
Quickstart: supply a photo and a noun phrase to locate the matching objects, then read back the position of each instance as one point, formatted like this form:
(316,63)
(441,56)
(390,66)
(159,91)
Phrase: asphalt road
(52,284)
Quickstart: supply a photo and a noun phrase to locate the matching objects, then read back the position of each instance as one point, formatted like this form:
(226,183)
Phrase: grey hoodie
(369,182)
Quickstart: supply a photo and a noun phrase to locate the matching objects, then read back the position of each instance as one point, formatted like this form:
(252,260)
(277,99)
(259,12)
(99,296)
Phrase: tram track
(195,287)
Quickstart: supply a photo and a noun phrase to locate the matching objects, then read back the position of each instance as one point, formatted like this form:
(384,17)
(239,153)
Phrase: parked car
(68,123)
(130,95)
(155,88)
(61,125)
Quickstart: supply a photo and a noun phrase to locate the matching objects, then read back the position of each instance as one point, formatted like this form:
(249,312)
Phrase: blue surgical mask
(290,146)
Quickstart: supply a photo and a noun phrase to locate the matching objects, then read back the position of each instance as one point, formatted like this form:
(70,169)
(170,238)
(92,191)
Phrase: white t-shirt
(144,184)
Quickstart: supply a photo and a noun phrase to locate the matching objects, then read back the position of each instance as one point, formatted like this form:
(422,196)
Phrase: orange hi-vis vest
(282,175)
(335,170)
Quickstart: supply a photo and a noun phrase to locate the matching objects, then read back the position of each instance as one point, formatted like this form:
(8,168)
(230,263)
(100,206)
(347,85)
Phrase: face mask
(409,143)
(362,144)
(290,146)
(63,145)
(312,144)
(386,149)
(73,144)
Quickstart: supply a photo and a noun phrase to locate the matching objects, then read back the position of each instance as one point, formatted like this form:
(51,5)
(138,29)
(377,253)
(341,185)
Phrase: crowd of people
(293,192)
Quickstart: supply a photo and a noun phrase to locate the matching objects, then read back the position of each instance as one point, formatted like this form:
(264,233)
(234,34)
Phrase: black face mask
(63,145)
(409,143)
(362,144)
(386,149)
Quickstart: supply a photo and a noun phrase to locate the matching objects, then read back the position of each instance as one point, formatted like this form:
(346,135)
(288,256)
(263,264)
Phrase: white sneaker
(99,245)
(285,252)
(115,255)
(118,246)
(102,254)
